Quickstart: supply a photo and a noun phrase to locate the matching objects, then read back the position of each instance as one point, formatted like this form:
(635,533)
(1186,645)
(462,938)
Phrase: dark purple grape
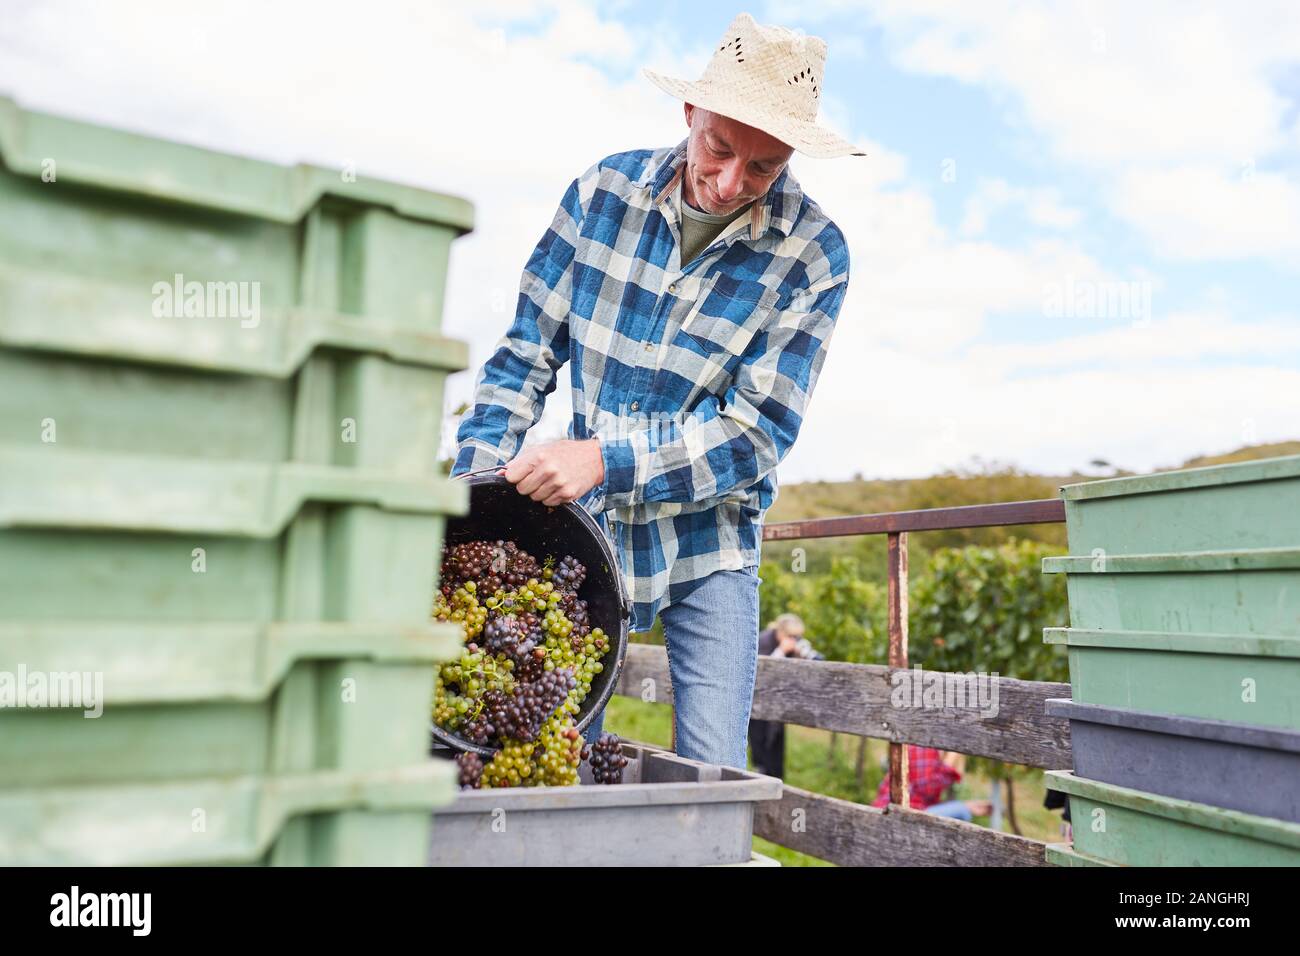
(471,770)
(520,715)
(607,759)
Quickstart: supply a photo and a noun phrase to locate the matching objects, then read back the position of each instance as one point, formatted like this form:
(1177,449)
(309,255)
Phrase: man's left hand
(557,472)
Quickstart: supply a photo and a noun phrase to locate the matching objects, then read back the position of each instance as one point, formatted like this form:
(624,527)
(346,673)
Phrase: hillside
(982,483)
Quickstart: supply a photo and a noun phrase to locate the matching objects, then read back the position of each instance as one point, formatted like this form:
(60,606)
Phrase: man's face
(728,164)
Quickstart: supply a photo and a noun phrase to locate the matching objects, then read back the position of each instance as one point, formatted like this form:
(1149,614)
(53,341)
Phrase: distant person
(930,773)
(784,637)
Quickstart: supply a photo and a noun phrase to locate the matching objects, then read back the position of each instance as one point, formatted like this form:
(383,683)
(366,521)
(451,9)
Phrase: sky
(1076,234)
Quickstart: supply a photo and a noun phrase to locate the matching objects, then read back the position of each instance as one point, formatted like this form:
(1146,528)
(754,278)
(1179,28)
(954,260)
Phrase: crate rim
(1178,725)
(1184,479)
(1242,645)
(284,194)
(1204,815)
(1176,562)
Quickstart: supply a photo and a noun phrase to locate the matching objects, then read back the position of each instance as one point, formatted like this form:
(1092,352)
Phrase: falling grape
(607,759)
(471,770)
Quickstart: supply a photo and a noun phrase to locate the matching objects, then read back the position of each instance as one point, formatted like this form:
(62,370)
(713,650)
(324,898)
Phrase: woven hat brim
(811,139)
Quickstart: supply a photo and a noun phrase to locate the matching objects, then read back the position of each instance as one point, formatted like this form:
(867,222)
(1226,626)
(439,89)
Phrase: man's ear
(690,112)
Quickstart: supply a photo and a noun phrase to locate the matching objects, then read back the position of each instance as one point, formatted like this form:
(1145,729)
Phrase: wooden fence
(856,699)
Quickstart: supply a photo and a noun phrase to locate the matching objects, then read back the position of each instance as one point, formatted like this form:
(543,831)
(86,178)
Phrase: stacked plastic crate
(220,507)
(1184,653)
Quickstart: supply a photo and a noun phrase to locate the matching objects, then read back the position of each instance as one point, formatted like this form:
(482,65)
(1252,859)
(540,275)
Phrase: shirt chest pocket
(725,316)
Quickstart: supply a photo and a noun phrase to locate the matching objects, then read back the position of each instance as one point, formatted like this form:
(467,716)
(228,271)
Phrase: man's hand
(557,472)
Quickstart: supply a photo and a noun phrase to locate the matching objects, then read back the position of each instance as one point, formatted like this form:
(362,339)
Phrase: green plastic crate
(1132,828)
(105,204)
(328,818)
(119,538)
(1064,854)
(1255,591)
(1241,678)
(1244,505)
(184,700)
(326,571)
(108,377)
(341,362)
(229,515)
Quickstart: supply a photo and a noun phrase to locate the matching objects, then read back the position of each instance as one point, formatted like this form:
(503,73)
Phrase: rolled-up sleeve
(729,442)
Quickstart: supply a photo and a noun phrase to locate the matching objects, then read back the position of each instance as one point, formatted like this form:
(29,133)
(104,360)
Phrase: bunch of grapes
(569,575)
(528,663)
(461,685)
(508,635)
(513,766)
(471,561)
(607,759)
(493,564)
(561,752)
(470,766)
(520,715)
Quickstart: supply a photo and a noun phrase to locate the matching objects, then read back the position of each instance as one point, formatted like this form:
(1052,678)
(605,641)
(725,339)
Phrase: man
(783,638)
(694,290)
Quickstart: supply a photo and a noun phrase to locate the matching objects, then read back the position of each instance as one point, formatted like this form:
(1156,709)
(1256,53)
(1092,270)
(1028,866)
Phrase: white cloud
(1196,212)
(1121,345)
(1041,205)
(1112,82)
(1164,102)
(915,284)
(910,414)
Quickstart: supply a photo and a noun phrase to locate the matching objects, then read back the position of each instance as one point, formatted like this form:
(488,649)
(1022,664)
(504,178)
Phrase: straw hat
(769,78)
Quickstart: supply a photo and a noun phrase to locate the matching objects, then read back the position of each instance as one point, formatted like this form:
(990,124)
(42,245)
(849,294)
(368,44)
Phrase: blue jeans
(712,643)
(956,809)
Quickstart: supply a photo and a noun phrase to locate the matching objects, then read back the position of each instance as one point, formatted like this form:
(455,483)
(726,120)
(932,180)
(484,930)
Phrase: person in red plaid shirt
(930,773)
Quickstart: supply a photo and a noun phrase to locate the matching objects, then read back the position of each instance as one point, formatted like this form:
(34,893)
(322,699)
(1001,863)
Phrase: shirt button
(649,346)
(673,288)
(635,406)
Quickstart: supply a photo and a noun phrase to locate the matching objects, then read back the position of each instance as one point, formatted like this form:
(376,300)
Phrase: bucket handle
(480,471)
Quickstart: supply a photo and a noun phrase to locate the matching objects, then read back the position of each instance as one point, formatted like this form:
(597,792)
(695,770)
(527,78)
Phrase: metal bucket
(498,512)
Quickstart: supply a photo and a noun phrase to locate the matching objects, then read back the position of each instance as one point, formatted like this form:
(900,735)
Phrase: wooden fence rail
(858,699)
(851,834)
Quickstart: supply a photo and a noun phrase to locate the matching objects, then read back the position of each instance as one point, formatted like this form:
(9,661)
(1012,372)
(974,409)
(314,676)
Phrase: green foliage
(984,609)
(845,616)
(976,608)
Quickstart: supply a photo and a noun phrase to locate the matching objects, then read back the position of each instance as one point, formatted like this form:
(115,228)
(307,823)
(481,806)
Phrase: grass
(812,763)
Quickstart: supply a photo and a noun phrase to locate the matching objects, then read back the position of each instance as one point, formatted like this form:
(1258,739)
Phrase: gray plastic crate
(669,811)
(1216,762)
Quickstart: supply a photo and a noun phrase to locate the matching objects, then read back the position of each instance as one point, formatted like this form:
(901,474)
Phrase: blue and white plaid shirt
(694,376)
